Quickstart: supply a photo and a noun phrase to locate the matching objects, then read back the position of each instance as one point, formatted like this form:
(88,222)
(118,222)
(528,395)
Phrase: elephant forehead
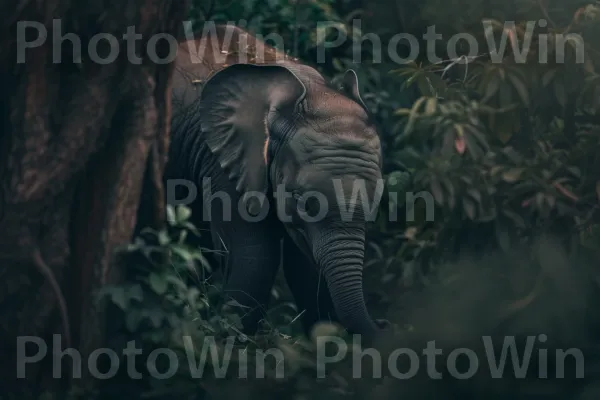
(339,155)
(330,183)
(343,128)
(336,136)
(342,125)
(325,103)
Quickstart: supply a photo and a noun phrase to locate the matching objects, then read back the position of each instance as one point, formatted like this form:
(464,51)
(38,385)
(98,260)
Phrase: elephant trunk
(340,253)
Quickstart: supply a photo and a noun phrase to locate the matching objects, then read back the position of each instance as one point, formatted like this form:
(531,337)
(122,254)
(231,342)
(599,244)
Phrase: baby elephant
(276,155)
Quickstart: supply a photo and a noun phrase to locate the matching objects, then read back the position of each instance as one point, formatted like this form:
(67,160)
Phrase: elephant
(247,118)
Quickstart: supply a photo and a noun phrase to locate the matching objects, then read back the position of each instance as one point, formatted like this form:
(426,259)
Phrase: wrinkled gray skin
(315,134)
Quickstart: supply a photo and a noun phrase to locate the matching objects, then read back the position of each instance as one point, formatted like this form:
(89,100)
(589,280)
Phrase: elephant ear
(349,86)
(235,105)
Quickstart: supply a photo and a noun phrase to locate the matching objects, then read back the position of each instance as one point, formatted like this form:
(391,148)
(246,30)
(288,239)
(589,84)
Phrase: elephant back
(204,53)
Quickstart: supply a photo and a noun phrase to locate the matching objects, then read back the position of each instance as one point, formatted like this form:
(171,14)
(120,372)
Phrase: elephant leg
(250,263)
(308,288)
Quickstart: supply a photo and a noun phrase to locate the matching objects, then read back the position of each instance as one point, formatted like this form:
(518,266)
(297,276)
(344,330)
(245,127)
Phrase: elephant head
(282,129)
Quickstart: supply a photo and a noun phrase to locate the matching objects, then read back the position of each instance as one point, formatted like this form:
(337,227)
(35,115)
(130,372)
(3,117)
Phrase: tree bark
(76,145)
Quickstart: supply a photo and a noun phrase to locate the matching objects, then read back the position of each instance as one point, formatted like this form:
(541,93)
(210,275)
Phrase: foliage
(168,302)
(506,143)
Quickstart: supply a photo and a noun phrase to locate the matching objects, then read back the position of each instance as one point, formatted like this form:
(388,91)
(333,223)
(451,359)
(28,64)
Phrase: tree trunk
(76,145)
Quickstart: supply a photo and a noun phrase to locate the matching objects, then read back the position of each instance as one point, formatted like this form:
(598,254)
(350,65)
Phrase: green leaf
(234,320)
(548,76)
(520,87)
(183,213)
(436,190)
(431,106)
(182,236)
(413,115)
(575,171)
(163,238)
(203,261)
(512,175)
(474,148)
(157,283)
(469,207)
(491,89)
(337,64)
(475,194)
(191,227)
(182,252)
(171,218)
(118,297)
(425,87)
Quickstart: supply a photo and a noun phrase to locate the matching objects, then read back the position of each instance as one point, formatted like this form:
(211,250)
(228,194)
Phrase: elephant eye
(300,202)
(298,197)
(307,205)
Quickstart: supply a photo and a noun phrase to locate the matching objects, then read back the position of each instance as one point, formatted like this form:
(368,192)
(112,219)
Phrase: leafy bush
(167,302)
(504,144)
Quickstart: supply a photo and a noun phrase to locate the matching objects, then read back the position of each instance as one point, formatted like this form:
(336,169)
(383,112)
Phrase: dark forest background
(507,151)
